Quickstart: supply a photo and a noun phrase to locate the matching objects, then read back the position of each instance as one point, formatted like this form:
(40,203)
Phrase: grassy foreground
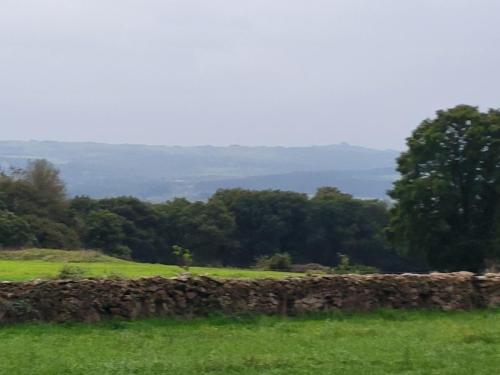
(386,342)
(46,264)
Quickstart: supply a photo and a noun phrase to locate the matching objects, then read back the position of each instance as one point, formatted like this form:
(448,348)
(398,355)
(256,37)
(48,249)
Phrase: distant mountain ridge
(163,172)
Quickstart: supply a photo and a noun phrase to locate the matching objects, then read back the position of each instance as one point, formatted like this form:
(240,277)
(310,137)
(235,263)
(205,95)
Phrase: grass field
(46,264)
(386,342)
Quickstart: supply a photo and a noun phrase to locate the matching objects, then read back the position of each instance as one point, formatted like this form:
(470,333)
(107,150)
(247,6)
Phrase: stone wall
(93,300)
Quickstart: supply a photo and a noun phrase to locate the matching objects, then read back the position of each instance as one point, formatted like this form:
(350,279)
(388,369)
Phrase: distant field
(386,342)
(46,264)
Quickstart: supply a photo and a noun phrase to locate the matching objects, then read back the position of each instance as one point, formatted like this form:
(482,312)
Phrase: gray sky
(259,72)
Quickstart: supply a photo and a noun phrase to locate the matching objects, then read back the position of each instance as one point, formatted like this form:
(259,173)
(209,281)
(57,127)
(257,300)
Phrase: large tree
(448,196)
(37,190)
(49,190)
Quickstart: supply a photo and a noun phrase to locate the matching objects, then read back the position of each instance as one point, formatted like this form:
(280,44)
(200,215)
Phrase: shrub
(346,267)
(276,262)
(71,272)
(120,251)
(184,257)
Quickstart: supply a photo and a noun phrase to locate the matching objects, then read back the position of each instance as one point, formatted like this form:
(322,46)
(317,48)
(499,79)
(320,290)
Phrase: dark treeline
(232,228)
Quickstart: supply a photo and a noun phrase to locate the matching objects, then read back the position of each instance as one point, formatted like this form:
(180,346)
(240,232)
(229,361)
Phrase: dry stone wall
(92,300)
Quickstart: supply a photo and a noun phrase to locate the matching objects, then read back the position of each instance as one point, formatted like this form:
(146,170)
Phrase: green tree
(339,222)
(184,256)
(51,234)
(105,231)
(448,196)
(48,189)
(14,231)
(265,221)
(140,225)
(206,228)
(37,190)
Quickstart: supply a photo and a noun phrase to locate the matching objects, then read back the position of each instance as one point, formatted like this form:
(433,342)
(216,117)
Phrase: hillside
(163,172)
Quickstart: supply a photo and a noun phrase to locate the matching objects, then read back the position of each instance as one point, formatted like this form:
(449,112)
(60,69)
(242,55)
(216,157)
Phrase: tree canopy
(448,197)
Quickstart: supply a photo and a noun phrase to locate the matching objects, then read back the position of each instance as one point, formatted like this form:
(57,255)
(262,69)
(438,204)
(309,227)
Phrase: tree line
(233,228)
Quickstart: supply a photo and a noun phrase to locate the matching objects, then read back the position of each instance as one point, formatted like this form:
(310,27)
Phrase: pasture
(384,342)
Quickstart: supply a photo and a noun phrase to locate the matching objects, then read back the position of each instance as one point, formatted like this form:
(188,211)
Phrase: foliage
(37,195)
(275,262)
(265,221)
(37,190)
(345,267)
(49,189)
(448,198)
(338,222)
(121,251)
(184,257)
(105,231)
(71,272)
(15,232)
(52,234)
(140,224)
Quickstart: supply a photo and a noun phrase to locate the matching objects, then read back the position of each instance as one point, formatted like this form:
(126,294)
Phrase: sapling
(184,257)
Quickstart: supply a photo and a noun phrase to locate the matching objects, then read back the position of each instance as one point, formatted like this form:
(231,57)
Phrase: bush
(71,272)
(184,257)
(345,267)
(276,262)
(119,251)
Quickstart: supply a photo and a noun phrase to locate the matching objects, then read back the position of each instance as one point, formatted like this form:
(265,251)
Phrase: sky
(260,72)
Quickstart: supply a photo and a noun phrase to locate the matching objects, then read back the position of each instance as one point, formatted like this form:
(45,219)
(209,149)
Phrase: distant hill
(162,172)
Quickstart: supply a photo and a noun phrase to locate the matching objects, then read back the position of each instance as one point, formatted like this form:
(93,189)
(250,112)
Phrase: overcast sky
(259,72)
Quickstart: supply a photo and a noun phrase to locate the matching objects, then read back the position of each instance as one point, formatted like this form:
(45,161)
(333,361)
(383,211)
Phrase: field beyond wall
(24,265)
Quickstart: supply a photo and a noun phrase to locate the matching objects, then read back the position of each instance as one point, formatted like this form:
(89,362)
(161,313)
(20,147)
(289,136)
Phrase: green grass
(386,342)
(45,264)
